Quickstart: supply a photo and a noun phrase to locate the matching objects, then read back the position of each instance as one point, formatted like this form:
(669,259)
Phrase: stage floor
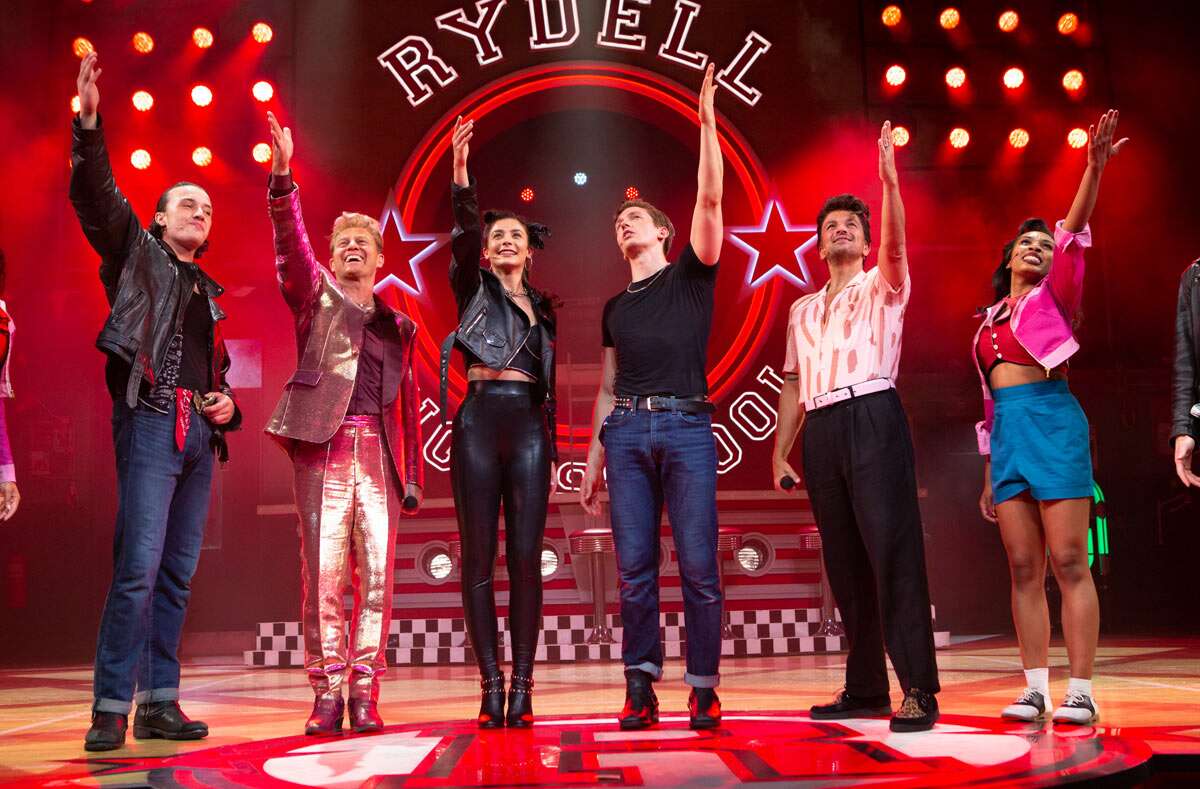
(1148,691)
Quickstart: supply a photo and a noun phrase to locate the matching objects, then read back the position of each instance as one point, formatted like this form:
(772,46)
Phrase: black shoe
(326,718)
(164,720)
(491,705)
(641,705)
(845,705)
(918,712)
(107,732)
(704,709)
(520,702)
(364,715)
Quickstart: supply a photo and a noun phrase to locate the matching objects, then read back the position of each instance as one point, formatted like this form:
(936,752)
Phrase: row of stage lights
(1018,138)
(956,78)
(202,38)
(528,195)
(1008,21)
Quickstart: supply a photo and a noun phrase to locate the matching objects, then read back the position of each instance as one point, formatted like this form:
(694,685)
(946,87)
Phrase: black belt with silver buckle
(690,405)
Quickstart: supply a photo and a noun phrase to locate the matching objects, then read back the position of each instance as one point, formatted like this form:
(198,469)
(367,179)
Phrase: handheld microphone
(787,483)
(1195,412)
(410,503)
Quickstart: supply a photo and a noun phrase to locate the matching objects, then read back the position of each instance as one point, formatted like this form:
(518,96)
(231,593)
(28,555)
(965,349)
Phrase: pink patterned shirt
(859,341)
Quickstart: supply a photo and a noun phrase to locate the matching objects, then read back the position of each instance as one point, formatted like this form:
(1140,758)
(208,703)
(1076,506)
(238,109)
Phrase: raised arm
(296,264)
(893,255)
(1101,148)
(594,473)
(466,240)
(708,227)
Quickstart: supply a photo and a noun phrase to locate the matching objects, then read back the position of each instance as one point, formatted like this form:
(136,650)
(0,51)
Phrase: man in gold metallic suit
(350,420)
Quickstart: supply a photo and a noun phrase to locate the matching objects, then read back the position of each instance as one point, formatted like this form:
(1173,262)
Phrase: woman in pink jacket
(1037,479)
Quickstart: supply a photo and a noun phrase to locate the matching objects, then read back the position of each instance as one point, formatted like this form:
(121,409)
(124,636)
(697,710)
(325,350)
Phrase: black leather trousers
(500,454)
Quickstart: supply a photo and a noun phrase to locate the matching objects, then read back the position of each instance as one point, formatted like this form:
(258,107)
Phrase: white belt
(849,393)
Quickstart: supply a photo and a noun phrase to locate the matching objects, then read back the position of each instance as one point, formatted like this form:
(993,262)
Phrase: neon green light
(1100,546)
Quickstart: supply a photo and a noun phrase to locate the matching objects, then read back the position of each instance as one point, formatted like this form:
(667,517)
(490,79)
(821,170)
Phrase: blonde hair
(351,221)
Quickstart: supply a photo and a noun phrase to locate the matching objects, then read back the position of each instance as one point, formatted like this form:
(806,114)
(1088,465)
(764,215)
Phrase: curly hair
(847,202)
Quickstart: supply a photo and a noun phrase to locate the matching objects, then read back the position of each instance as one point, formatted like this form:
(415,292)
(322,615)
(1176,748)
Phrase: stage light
(949,19)
(201,96)
(956,77)
(580,178)
(1077,138)
(900,136)
(202,37)
(202,156)
(1018,138)
(81,47)
(1008,21)
(142,100)
(438,564)
(261,153)
(895,76)
(1014,78)
(140,158)
(262,90)
(143,43)
(891,15)
(75,104)
(1068,23)
(1073,80)
(262,32)
(752,556)
(632,193)
(549,560)
(527,195)
(959,137)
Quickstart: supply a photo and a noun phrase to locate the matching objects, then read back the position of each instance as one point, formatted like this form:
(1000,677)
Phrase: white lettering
(479,31)
(754,47)
(413,64)
(618,26)
(674,47)
(539,23)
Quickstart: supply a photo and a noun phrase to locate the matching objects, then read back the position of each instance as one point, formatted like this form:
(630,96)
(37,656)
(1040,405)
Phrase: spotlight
(1008,21)
(81,47)
(1077,138)
(959,137)
(438,564)
(891,15)
(140,158)
(1018,138)
(900,136)
(527,195)
(261,153)
(1068,23)
(142,43)
(1014,78)
(75,105)
(202,37)
(895,76)
(949,19)
(956,77)
(752,556)
(202,156)
(632,193)
(201,96)
(580,178)
(262,90)
(262,32)
(549,561)
(142,100)
(1073,80)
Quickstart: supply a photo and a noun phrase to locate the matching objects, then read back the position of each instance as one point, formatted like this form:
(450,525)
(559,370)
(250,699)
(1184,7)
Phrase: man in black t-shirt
(652,434)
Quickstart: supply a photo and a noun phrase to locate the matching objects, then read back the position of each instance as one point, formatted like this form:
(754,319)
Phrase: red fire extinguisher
(16,581)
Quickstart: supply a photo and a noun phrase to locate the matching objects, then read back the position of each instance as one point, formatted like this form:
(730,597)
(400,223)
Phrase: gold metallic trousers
(348,510)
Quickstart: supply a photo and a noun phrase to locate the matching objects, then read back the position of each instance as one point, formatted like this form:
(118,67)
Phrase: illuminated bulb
(580,178)
(892,16)
(1018,138)
(202,37)
(142,43)
(900,136)
(261,153)
(632,193)
(1008,21)
(75,104)
(81,47)
(201,96)
(1077,138)
(202,156)
(949,18)
(895,76)
(142,101)
(140,158)
(1073,80)
(262,90)
(261,32)
(959,137)
(1014,78)
(527,195)
(1068,23)
(956,77)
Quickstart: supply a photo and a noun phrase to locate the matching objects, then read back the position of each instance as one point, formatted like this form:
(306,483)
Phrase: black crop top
(528,359)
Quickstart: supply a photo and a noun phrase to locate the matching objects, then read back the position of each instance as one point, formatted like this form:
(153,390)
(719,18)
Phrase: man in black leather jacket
(1185,389)
(171,406)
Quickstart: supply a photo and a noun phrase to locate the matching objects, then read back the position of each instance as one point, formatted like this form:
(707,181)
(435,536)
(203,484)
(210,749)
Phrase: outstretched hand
(85,86)
(1101,147)
(281,146)
(460,140)
(887,156)
(708,116)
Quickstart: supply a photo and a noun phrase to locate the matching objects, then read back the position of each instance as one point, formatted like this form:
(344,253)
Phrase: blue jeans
(652,458)
(162,504)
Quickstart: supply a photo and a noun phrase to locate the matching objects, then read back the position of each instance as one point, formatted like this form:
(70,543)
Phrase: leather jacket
(1185,383)
(147,287)
(490,325)
(329,329)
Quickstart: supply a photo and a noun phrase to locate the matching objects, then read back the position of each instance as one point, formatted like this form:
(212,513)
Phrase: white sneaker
(1078,708)
(1029,706)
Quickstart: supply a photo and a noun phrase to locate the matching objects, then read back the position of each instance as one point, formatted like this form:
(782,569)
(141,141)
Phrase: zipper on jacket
(478,318)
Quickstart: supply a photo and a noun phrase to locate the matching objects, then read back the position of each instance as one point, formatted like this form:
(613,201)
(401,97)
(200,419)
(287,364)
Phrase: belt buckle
(650,403)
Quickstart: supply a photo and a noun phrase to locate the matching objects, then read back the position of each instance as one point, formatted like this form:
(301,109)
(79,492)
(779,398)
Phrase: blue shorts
(1040,443)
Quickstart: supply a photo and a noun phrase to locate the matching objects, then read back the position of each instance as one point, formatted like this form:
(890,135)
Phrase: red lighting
(202,156)
(1008,21)
(527,195)
(900,136)
(891,15)
(949,18)
(262,90)
(81,47)
(262,32)
(1018,138)
(201,96)
(140,158)
(1068,23)
(1014,78)
(1073,80)
(632,193)
(959,137)
(143,43)
(261,153)
(895,75)
(75,104)
(202,37)
(956,77)
(142,100)
(1077,138)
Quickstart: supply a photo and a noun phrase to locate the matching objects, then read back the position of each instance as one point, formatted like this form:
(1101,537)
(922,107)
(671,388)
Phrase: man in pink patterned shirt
(843,354)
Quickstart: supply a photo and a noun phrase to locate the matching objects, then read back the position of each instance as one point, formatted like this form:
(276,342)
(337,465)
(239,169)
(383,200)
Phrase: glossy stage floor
(1148,691)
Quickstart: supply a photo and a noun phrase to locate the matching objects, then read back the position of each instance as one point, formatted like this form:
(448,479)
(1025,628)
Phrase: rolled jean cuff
(119,706)
(709,681)
(651,669)
(158,694)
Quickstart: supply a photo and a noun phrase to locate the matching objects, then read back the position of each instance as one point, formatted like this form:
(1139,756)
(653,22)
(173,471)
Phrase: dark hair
(156,229)
(657,215)
(846,202)
(1002,277)
(537,232)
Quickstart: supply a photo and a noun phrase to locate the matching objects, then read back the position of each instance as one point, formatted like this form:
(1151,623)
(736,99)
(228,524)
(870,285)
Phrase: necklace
(630,289)
(517,293)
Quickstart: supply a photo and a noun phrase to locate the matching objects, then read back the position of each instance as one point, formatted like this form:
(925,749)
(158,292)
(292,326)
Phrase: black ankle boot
(107,732)
(641,705)
(520,702)
(491,706)
(326,718)
(165,720)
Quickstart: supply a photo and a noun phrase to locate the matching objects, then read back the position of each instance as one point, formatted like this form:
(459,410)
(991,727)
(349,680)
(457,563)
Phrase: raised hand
(281,146)
(887,156)
(89,94)
(708,116)
(1101,147)
(459,142)
(11,498)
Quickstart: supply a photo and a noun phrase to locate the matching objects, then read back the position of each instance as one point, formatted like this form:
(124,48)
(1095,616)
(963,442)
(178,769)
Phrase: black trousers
(858,468)
(500,454)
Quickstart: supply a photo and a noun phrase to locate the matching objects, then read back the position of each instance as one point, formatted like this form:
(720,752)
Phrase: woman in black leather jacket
(503,447)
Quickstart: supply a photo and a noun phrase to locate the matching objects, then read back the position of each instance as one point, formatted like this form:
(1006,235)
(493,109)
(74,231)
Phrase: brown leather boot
(326,718)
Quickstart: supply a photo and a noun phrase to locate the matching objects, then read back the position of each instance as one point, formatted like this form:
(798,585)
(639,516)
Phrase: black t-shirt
(194,367)
(660,330)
